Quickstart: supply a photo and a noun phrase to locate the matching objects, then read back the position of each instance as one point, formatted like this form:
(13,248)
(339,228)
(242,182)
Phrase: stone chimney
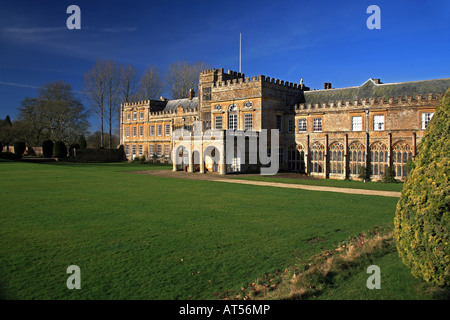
(327,85)
(191,94)
(377,81)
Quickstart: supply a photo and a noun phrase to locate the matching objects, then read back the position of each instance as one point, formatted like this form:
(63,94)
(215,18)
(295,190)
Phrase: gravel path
(231,179)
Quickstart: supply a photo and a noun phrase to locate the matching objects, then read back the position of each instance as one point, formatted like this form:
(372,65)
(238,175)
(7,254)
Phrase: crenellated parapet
(173,112)
(259,80)
(237,81)
(386,102)
(142,103)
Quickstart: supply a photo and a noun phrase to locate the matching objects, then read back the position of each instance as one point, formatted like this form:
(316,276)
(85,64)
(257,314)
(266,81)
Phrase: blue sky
(319,41)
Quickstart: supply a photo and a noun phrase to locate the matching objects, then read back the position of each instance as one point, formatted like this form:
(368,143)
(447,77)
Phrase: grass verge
(340,274)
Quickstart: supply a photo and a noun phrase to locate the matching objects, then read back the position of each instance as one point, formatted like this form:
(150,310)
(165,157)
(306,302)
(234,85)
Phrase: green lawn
(396,284)
(148,237)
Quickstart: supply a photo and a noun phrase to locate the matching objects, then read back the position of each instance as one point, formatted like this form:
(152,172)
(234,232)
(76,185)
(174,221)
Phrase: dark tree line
(55,114)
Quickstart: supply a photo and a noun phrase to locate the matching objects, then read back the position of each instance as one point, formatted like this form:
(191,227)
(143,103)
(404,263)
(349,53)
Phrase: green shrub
(10,156)
(389,175)
(122,152)
(82,142)
(422,219)
(60,150)
(364,173)
(47,148)
(19,147)
(140,159)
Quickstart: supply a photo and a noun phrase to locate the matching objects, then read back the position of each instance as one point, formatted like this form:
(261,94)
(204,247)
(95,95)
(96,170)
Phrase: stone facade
(327,133)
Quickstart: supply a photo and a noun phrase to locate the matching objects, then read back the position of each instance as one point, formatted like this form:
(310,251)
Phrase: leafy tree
(422,220)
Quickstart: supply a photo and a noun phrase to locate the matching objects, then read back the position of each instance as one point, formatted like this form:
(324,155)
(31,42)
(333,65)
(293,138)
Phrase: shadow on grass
(121,164)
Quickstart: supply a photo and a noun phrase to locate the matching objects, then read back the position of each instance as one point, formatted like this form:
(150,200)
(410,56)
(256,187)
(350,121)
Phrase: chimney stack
(327,85)
(191,94)
(377,81)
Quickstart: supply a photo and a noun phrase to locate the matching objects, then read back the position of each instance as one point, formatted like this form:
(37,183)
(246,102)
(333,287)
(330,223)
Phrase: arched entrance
(181,156)
(196,159)
(211,158)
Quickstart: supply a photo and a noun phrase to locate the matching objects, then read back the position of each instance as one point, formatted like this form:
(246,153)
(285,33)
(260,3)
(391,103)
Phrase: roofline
(377,84)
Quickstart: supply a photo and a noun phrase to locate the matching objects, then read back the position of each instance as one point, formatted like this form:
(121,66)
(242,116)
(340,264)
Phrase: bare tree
(150,85)
(94,90)
(183,76)
(112,83)
(33,112)
(101,89)
(128,83)
(55,114)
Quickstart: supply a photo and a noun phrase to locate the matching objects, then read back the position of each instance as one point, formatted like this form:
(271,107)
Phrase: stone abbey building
(329,133)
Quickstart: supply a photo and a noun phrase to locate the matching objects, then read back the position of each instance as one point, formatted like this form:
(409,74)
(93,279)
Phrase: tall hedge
(47,148)
(82,142)
(19,147)
(60,149)
(422,219)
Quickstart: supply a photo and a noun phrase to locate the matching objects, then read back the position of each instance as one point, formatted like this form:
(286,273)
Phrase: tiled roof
(370,89)
(185,103)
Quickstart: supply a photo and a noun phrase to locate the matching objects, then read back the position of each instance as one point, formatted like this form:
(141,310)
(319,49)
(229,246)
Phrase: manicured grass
(148,237)
(353,184)
(396,284)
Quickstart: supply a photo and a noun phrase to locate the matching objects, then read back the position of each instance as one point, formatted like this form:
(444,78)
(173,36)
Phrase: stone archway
(196,161)
(180,158)
(211,159)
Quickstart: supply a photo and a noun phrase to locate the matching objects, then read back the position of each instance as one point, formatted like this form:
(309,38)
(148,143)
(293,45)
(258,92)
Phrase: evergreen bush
(389,175)
(422,219)
(47,148)
(363,173)
(19,147)
(60,150)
